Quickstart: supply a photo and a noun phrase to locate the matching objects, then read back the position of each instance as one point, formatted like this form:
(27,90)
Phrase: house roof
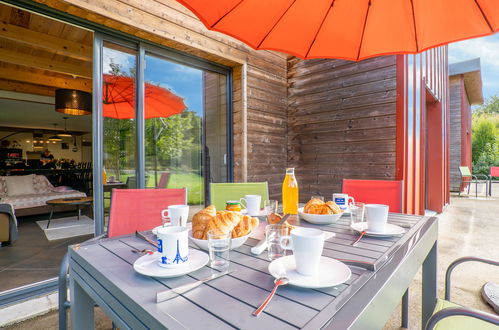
(472,74)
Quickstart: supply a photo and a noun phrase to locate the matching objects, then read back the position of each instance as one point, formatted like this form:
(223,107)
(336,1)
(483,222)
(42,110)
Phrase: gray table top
(227,302)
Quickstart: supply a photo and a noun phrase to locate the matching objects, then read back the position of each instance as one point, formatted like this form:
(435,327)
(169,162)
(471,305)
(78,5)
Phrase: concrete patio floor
(469,226)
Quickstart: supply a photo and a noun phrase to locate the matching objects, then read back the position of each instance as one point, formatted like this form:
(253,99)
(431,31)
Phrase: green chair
(467,177)
(450,316)
(223,192)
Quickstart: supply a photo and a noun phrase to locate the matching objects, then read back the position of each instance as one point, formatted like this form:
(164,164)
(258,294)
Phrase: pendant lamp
(65,133)
(73,102)
(55,137)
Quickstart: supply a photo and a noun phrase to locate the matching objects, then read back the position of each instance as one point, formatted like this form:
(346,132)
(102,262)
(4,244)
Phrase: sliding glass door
(164,121)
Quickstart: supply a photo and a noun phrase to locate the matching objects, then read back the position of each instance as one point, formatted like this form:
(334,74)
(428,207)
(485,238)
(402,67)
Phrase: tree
(485,136)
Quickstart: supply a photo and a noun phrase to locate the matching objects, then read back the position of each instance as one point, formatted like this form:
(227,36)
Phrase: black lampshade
(73,102)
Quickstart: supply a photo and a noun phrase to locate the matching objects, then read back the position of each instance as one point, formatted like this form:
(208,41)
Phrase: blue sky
(487,48)
(182,80)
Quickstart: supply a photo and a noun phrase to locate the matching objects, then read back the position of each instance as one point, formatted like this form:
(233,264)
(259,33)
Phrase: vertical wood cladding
(341,122)
(455,132)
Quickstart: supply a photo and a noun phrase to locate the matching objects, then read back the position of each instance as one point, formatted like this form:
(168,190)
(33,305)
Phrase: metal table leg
(82,307)
(79,211)
(405,309)
(50,216)
(429,285)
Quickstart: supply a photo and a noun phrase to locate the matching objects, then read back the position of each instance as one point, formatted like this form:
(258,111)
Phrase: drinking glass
(269,207)
(317,197)
(273,234)
(357,212)
(219,248)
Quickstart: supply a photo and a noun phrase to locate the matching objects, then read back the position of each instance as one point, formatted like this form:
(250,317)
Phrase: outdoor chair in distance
(467,177)
(220,193)
(163,180)
(387,192)
(450,316)
(494,173)
(131,210)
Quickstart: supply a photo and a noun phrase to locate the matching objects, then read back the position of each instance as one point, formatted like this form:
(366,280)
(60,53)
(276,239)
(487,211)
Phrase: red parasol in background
(348,29)
(119,99)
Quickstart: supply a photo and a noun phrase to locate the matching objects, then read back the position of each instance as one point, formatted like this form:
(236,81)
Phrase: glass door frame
(168,54)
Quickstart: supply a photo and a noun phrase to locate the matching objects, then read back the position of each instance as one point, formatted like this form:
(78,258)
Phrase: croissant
(313,205)
(223,222)
(200,221)
(334,207)
(245,226)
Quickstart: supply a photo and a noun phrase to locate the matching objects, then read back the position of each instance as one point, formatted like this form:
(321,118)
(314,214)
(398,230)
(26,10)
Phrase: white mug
(307,245)
(376,217)
(252,204)
(175,215)
(342,200)
(173,245)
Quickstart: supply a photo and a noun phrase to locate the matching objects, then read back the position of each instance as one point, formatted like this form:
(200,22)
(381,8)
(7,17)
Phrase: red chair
(140,209)
(494,173)
(388,192)
(163,180)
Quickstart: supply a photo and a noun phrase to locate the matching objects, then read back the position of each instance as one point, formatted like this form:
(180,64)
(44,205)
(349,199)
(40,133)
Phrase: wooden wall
(423,124)
(342,119)
(259,76)
(456,85)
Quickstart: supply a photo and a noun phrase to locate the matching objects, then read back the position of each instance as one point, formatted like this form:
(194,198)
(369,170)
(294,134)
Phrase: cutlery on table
(145,251)
(358,239)
(262,245)
(168,294)
(283,280)
(145,238)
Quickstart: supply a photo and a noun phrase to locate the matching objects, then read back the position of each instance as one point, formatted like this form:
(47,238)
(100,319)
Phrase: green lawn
(193,182)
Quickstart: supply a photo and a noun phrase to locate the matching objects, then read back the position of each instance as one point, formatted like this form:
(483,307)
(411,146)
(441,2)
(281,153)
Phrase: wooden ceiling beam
(45,80)
(42,40)
(22,87)
(32,61)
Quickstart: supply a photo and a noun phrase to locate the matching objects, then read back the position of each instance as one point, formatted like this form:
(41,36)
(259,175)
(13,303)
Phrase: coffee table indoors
(77,201)
(101,272)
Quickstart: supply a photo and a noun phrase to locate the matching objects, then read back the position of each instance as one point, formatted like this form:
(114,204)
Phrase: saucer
(331,272)
(261,213)
(390,230)
(148,265)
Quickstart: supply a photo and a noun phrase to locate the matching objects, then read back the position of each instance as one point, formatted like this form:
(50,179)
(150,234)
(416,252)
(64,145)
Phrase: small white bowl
(203,243)
(319,219)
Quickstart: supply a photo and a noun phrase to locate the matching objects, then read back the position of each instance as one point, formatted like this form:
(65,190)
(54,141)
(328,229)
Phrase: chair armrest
(480,176)
(454,311)
(457,262)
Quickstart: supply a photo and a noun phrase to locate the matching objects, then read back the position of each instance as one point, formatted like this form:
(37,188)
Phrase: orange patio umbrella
(348,29)
(119,99)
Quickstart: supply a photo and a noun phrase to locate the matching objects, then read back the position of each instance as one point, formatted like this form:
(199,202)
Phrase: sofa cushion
(20,185)
(35,200)
(42,185)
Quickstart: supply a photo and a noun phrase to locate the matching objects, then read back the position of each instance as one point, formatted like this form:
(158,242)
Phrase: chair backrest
(140,209)
(223,192)
(163,180)
(465,171)
(388,192)
(494,171)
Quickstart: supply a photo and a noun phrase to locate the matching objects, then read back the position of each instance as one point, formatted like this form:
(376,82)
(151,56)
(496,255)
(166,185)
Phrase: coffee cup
(376,217)
(175,215)
(173,246)
(252,204)
(307,245)
(342,200)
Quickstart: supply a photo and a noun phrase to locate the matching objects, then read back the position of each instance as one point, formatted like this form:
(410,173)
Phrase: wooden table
(101,272)
(77,201)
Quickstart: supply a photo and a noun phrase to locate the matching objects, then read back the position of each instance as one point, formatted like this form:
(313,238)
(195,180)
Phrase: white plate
(203,243)
(319,219)
(390,230)
(331,272)
(261,213)
(149,265)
